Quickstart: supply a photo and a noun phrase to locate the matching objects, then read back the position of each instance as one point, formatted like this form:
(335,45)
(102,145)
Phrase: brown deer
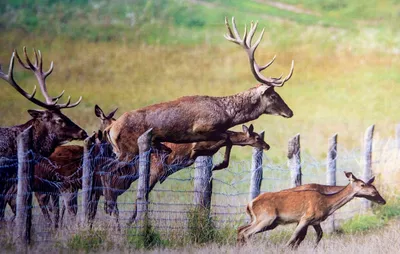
(202,118)
(117,180)
(67,163)
(304,207)
(50,127)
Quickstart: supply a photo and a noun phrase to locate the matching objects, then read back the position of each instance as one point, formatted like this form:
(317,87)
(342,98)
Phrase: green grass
(381,216)
(89,241)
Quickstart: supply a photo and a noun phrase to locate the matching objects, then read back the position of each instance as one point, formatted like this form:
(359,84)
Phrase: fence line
(223,193)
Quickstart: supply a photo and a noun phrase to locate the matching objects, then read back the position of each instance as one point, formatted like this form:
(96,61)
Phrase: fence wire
(58,191)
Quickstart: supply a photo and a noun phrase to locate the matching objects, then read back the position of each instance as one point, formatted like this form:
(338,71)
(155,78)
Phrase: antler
(250,49)
(37,69)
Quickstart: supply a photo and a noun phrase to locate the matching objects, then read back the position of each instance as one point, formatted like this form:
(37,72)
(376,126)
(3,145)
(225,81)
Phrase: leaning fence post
(256,171)
(294,160)
(398,136)
(24,192)
(144,143)
(331,174)
(203,182)
(87,179)
(367,174)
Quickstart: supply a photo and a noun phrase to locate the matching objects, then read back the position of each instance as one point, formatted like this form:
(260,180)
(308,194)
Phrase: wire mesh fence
(57,209)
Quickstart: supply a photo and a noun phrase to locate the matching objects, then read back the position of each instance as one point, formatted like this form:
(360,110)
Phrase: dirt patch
(288,7)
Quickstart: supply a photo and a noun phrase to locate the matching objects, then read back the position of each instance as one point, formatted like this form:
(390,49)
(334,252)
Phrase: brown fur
(193,119)
(119,179)
(305,207)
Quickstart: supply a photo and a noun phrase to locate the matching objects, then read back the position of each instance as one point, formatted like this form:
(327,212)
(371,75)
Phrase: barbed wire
(171,202)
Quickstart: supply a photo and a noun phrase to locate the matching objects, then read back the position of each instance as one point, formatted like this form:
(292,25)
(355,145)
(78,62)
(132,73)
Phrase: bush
(145,238)
(88,240)
(201,228)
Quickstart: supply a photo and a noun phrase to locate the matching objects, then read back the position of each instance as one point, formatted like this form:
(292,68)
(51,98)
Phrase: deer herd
(182,130)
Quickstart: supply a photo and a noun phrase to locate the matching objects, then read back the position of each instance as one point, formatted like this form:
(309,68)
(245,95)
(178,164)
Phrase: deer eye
(59,121)
(362,185)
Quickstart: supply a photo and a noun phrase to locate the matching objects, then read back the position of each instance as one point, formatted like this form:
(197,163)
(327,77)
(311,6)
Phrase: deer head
(365,190)
(269,99)
(253,138)
(105,121)
(50,122)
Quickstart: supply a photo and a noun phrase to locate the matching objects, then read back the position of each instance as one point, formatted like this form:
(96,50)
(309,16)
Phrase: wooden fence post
(24,193)
(294,160)
(367,174)
(203,182)
(398,136)
(87,179)
(256,171)
(331,174)
(142,198)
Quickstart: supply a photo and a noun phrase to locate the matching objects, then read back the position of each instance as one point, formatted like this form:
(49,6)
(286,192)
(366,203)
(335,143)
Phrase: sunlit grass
(331,91)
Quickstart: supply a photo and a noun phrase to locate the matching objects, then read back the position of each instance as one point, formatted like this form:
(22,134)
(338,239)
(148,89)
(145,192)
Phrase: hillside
(129,54)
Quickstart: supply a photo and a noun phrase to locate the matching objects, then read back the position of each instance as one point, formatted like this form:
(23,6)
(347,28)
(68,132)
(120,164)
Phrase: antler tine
(31,66)
(68,105)
(253,28)
(39,62)
(59,96)
(20,61)
(47,73)
(37,69)
(235,31)
(250,50)
(268,64)
(9,78)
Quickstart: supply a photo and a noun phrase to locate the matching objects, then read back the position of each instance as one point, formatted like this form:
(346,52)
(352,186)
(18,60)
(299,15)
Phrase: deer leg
(93,206)
(43,200)
(319,232)
(62,213)
(225,162)
(116,216)
(301,237)
(300,227)
(56,209)
(257,227)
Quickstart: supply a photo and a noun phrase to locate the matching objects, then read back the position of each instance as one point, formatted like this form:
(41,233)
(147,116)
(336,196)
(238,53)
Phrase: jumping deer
(304,207)
(117,180)
(50,127)
(202,118)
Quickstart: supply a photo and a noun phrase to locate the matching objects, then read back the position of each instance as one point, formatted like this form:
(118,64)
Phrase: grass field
(129,54)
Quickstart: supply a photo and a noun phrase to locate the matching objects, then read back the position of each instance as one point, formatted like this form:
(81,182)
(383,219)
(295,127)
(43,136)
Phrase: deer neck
(237,138)
(44,143)
(339,199)
(243,107)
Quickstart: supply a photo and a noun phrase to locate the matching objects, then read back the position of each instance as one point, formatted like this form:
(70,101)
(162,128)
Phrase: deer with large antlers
(306,207)
(202,118)
(117,180)
(50,127)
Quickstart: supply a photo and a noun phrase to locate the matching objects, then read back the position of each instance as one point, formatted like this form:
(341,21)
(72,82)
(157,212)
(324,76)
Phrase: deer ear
(350,175)
(263,89)
(370,181)
(36,114)
(111,115)
(251,128)
(245,129)
(99,112)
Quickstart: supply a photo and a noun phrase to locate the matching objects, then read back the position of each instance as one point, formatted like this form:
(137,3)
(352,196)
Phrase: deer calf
(304,207)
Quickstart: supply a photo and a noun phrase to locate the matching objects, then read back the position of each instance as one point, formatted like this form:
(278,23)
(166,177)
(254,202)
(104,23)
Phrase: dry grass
(384,240)
(333,90)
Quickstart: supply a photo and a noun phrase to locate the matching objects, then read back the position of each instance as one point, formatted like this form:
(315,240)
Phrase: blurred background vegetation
(129,54)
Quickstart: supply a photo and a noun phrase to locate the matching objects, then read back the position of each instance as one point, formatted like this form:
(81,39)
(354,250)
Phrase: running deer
(202,118)
(117,180)
(50,127)
(63,168)
(304,207)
